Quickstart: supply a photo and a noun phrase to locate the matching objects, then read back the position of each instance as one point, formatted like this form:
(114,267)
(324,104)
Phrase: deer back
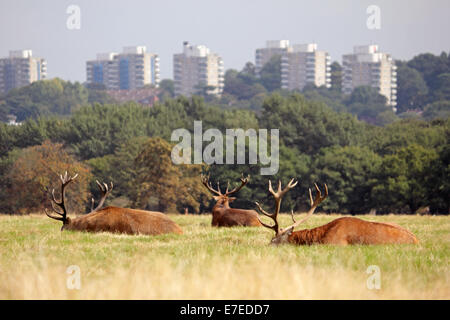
(229,217)
(349,230)
(124,220)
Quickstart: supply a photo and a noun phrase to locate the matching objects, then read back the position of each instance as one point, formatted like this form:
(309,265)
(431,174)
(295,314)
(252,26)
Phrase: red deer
(342,231)
(111,219)
(223,215)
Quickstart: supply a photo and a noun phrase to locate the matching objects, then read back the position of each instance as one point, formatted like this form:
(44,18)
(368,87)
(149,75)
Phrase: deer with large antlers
(110,219)
(342,231)
(223,215)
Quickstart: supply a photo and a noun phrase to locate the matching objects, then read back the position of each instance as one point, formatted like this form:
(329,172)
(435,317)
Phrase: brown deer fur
(223,215)
(349,230)
(111,219)
(341,231)
(123,220)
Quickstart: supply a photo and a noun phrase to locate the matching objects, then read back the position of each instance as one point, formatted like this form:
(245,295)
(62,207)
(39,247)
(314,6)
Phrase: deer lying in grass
(343,231)
(223,215)
(111,219)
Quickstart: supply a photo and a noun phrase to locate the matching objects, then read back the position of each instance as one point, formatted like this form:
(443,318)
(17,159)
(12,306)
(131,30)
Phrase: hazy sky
(231,28)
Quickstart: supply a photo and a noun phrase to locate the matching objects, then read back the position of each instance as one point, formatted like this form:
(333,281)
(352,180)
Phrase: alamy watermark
(73,281)
(374,280)
(374,19)
(213,153)
(73,21)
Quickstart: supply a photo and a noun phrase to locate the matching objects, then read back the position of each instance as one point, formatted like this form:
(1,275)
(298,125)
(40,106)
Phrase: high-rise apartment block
(369,67)
(20,69)
(131,69)
(197,69)
(273,48)
(303,64)
(103,71)
(300,63)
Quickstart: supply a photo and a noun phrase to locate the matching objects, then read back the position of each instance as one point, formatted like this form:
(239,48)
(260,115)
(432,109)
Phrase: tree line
(397,168)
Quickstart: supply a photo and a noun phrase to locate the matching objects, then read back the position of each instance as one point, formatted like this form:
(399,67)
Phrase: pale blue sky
(231,28)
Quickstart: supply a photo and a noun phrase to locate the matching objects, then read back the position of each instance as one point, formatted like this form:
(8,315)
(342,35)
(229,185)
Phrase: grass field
(218,263)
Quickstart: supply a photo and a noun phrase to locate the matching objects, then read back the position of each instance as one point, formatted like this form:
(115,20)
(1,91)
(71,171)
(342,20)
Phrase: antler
(207,184)
(106,190)
(278,196)
(319,198)
(244,181)
(65,180)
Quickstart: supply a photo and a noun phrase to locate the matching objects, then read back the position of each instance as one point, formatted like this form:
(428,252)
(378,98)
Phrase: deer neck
(67,225)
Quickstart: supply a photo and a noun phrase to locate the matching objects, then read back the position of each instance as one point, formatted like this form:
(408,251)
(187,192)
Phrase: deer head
(62,216)
(223,199)
(282,234)
(65,181)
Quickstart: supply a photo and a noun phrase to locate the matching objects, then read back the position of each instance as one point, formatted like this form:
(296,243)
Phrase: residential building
(21,69)
(303,64)
(131,69)
(273,48)
(103,70)
(369,67)
(197,70)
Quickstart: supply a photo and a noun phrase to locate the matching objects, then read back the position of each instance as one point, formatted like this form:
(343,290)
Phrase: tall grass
(218,263)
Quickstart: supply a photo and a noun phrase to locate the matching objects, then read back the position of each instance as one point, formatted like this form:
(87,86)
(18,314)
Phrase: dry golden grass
(212,263)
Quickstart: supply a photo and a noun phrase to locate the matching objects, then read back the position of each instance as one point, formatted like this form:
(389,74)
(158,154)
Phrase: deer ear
(217,198)
(231,199)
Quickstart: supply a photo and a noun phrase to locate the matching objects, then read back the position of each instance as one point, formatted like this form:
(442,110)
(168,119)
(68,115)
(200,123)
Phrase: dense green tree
(308,125)
(430,66)
(439,182)
(4,111)
(119,167)
(45,97)
(385,117)
(97,93)
(436,110)
(166,89)
(171,186)
(270,74)
(51,97)
(98,130)
(6,162)
(412,89)
(367,103)
(403,133)
(30,133)
(404,180)
(441,91)
(7,139)
(349,173)
(366,95)
(331,97)
(242,85)
(336,76)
